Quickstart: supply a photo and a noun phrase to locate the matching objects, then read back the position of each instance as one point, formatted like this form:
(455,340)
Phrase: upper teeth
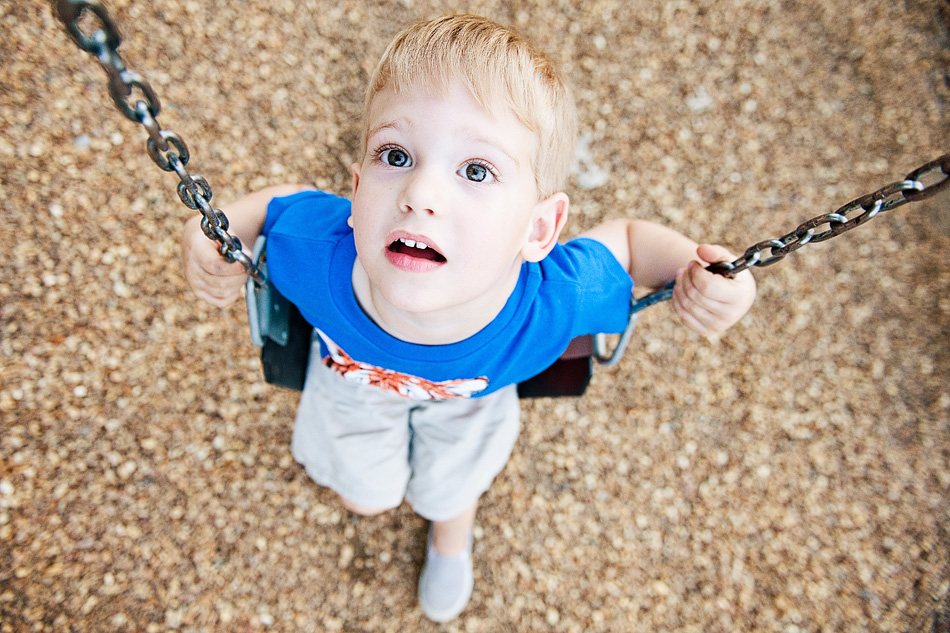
(413,244)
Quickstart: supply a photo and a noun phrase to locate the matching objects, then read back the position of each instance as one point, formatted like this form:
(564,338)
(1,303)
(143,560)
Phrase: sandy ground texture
(791,475)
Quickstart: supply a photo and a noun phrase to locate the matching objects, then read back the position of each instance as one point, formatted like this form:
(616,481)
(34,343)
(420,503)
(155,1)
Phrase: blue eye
(476,172)
(395,157)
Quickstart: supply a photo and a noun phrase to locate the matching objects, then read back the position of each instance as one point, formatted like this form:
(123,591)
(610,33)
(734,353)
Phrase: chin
(416,303)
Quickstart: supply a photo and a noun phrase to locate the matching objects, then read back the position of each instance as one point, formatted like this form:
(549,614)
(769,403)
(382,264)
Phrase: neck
(440,327)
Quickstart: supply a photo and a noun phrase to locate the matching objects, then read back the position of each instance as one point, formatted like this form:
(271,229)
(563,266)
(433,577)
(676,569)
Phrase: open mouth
(412,248)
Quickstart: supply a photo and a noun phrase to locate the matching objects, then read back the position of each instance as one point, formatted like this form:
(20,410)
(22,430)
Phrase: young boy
(442,284)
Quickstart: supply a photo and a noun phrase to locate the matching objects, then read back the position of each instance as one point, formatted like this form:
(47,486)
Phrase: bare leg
(366,511)
(445,585)
(451,537)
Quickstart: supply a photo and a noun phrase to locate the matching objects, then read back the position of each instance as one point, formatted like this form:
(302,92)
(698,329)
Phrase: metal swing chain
(911,189)
(166,148)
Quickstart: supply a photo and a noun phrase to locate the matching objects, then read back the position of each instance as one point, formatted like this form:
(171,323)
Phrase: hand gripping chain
(911,189)
(166,148)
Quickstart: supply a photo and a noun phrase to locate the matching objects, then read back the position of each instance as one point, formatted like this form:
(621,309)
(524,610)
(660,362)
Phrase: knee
(366,511)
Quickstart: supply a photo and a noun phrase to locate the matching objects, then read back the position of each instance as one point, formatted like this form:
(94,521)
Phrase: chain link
(894,195)
(912,188)
(134,98)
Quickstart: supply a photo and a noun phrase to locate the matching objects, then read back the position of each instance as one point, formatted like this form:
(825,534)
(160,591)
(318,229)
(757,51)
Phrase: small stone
(346,556)
(700,100)
(174,618)
(125,470)
(225,612)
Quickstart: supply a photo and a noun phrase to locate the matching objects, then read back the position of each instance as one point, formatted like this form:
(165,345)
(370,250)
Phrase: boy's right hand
(211,278)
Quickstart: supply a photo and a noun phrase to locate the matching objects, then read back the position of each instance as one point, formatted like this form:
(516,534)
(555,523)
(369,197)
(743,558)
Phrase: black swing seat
(285,338)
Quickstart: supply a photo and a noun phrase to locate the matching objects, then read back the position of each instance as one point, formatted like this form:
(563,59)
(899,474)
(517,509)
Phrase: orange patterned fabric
(405,385)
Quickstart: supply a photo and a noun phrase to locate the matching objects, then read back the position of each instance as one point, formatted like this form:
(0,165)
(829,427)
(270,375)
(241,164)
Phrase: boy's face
(444,201)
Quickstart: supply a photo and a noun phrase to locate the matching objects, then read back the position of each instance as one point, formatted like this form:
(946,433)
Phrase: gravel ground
(789,476)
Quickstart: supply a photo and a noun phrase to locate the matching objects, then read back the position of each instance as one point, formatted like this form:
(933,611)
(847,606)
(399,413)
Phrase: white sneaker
(446,582)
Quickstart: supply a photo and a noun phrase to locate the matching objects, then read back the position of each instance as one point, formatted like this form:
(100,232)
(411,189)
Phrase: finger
(208,257)
(713,253)
(692,303)
(719,316)
(692,321)
(212,288)
(206,254)
(219,297)
(704,287)
(220,268)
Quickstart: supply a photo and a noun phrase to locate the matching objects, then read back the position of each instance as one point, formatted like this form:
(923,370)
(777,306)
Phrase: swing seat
(568,376)
(285,337)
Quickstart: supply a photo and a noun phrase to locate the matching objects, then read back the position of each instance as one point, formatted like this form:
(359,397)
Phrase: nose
(422,192)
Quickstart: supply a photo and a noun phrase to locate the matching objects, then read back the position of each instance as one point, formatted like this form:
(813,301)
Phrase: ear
(548,220)
(355,170)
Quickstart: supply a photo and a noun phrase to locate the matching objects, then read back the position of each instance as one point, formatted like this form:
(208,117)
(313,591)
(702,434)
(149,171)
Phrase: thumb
(712,253)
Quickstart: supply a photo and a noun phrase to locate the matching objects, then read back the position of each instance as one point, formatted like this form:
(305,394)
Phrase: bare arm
(655,255)
(651,253)
(210,277)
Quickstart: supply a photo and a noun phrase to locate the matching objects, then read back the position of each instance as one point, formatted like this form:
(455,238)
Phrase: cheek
(369,230)
(360,229)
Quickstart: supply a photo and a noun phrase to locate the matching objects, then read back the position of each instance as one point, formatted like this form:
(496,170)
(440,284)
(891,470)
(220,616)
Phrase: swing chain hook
(166,148)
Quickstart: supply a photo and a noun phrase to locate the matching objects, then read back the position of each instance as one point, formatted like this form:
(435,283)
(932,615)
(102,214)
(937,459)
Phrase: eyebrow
(379,128)
(481,139)
(472,135)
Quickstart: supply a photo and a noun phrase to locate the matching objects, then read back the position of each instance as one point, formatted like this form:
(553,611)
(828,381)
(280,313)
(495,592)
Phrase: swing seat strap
(277,327)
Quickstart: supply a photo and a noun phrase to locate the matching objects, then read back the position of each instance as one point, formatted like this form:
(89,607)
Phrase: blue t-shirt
(579,288)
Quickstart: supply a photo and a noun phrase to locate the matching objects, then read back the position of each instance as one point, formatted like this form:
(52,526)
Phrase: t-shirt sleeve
(602,288)
(275,208)
(308,214)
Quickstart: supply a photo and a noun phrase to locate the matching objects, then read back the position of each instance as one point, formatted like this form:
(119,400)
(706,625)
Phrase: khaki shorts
(376,448)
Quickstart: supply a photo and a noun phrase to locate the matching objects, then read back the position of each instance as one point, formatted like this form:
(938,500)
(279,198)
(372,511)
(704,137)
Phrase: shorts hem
(352,494)
(441,514)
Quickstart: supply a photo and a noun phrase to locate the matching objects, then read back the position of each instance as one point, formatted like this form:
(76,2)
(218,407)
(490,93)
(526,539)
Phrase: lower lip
(412,264)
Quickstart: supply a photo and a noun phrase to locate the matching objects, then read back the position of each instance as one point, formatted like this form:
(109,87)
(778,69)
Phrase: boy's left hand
(709,303)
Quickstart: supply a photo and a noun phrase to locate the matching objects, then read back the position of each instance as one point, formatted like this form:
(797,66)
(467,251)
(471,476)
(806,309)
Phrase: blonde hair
(499,67)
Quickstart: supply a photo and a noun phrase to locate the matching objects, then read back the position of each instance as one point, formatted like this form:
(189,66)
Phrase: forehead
(454,106)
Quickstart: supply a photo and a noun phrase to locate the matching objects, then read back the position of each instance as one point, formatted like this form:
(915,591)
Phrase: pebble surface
(791,475)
